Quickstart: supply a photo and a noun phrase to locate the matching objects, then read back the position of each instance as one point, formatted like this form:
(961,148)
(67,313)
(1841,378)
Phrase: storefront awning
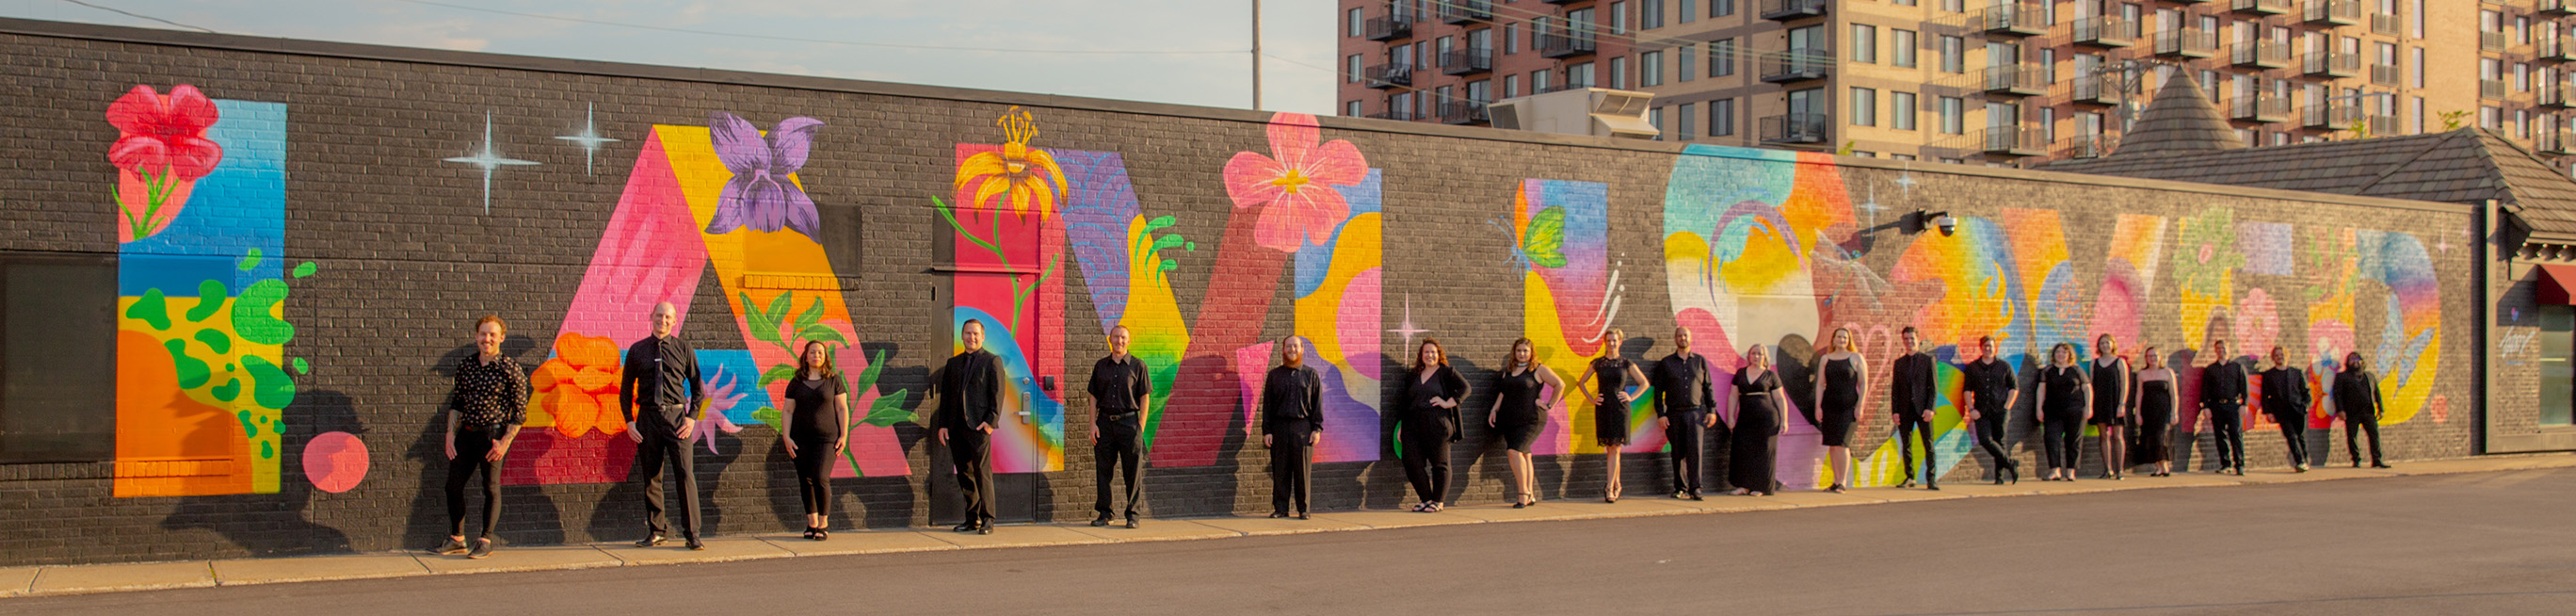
(2555,281)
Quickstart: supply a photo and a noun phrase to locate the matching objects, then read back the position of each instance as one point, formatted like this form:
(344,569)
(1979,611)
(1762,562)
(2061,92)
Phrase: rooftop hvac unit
(1599,112)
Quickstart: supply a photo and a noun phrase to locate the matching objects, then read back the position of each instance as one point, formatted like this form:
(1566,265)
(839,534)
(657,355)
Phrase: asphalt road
(2485,543)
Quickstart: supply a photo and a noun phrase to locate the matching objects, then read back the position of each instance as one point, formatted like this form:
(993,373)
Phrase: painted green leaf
(249,260)
(1190,246)
(269,385)
(1160,222)
(778,307)
(1167,242)
(868,377)
(777,373)
(152,309)
(1544,243)
(1168,265)
(762,327)
(767,415)
(812,315)
(888,410)
(304,269)
(252,320)
(192,372)
(215,339)
(818,332)
(210,297)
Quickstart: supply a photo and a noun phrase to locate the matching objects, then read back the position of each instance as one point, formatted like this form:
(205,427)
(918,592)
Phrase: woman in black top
(2065,394)
(1519,414)
(1620,379)
(817,415)
(1430,423)
(1844,383)
(2156,413)
(2111,391)
(484,411)
(1755,436)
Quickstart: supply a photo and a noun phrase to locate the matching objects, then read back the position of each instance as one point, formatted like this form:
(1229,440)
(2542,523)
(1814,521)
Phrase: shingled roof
(2468,165)
(2180,120)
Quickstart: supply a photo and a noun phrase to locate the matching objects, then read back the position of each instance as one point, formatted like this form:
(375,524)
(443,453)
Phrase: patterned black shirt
(489,395)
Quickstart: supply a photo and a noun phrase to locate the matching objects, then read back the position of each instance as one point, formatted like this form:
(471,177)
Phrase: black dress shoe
(1302,516)
(1931,486)
(696,546)
(1100,521)
(1131,521)
(963,528)
(1279,514)
(652,541)
(2378,465)
(984,529)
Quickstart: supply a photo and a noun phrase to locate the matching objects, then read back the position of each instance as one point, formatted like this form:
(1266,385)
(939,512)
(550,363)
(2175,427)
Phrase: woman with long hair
(1430,423)
(817,416)
(2156,412)
(1620,380)
(1518,414)
(2111,399)
(1755,436)
(2065,394)
(1843,382)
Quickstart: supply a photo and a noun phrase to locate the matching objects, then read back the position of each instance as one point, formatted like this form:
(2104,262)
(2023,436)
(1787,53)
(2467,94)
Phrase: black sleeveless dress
(1609,415)
(1841,412)
(1519,420)
(2155,409)
(2110,391)
(1755,440)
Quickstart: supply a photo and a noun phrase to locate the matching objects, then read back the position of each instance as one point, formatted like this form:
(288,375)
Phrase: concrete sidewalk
(74,579)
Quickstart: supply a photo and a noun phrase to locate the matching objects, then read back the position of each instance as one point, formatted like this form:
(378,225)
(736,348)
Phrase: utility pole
(1256,54)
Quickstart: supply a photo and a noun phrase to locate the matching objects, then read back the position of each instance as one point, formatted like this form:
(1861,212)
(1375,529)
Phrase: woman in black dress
(2065,395)
(1430,423)
(2155,413)
(2111,398)
(1519,414)
(1755,435)
(1619,379)
(1844,383)
(817,415)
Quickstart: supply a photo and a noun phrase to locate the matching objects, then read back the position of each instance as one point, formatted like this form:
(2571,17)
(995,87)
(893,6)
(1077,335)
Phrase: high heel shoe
(2016,473)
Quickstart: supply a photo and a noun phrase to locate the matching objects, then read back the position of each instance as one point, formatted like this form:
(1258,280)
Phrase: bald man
(663,399)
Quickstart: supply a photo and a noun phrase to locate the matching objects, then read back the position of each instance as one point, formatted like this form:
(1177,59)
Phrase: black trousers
(1119,450)
(2294,428)
(2228,424)
(1291,470)
(814,474)
(2352,428)
(1426,457)
(1683,433)
(2063,436)
(1908,427)
(661,445)
(474,445)
(1990,436)
(971,451)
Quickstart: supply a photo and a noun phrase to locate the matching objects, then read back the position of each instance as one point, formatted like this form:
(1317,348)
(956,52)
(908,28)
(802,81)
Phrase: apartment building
(2008,82)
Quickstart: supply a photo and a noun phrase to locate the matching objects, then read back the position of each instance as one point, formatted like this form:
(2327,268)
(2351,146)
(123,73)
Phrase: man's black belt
(1118,416)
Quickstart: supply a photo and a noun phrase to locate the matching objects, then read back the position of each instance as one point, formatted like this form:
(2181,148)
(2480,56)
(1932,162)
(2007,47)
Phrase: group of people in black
(663,400)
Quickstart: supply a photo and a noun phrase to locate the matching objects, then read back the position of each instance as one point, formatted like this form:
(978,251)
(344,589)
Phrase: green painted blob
(227,391)
(210,297)
(249,430)
(215,339)
(251,318)
(192,373)
(301,367)
(270,387)
(304,269)
(153,308)
(249,260)
(267,450)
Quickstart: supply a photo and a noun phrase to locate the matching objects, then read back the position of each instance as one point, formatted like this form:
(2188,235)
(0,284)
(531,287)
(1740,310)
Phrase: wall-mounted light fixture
(1942,220)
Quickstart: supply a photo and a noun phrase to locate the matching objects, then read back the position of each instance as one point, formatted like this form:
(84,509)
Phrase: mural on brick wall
(721,198)
(1008,248)
(1560,237)
(202,376)
(1778,269)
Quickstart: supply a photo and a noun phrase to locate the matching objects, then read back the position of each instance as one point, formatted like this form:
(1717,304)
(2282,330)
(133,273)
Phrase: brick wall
(406,255)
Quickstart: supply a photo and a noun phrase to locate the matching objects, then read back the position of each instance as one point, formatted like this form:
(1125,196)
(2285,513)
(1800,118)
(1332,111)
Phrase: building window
(1721,58)
(1954,6)
(1354,17)
(1580,75)
(1864,43)
(2557,345)
(1619,73)
(1511,45)
(2416,22)
(1619,17)
(1721,117)
(1900,110)
(1511,86)
(1682,62)
(1351,109)
(1953,52)
(1682,121)
(2521,77)
(1650,14)
(57,342)
(1686,10)
(1954,120)
(2522,123)
(1351,69)
(1864,107)
(2418,115)
(1540,81)
(1650,69)
(2489,117)
(1900,48)
(1655,116)
(1721,8)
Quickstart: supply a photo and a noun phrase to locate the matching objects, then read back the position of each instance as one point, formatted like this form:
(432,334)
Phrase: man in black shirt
(1910,397)
(2222,396)
(1991,390)
(486,407)
(1292,423)
(1684,392)
(2357,402)
(970,393)
(663,399)
(1120,392)
(2286,398)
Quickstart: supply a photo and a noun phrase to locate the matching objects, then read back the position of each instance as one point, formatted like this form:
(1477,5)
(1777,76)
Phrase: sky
(1200,48)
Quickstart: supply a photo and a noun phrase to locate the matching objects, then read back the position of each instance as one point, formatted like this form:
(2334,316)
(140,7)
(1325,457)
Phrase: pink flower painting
(161,150)
(1296,183)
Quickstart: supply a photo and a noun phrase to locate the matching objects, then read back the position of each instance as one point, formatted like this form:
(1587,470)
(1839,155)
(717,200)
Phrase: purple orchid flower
(760,195)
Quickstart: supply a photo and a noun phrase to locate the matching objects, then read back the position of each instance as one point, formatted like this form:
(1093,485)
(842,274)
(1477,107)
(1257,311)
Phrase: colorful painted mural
(202,375)
(1560,232)
(1009,246)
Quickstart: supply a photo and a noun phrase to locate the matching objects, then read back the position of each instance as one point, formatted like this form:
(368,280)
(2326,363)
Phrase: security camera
(1947,224)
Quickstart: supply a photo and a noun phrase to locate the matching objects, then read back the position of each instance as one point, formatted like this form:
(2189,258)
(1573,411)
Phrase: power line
(766,37)
(140,16)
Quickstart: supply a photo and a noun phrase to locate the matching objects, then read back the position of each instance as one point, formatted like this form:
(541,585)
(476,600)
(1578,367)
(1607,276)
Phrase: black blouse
(815,418)
(1612,374)
(1445,383)
(2065,390)
(1292,399)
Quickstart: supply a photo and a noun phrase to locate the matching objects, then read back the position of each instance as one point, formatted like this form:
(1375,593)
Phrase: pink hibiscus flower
(164,134)
(1296,182)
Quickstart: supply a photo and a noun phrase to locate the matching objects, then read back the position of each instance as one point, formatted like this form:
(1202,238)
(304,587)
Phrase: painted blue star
(488,160)
(589,138)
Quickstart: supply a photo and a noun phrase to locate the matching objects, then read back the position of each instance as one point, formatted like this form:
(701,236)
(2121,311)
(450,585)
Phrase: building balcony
(2016,80)
(2381,124)
(2491,89)
(2013,141)
(1466,11)
(1797,128)
(2385,74)
(1394,26)
(1566,44)
(1390,75)
(2387,24)
(2334,64)
(1467,61)
(2109,32)
(1394,114)
(2260,54)
(2332,116)
(2187,43)
(2263,108)
(2559,143)
(2553,49)
(2014,19)
(2094,90)
(2490,41)
(2557,8)
(2334,12)
(2556,98)
(1463,112)
(2260,7)
(1797,65)
(1792,10)
(2084,146)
